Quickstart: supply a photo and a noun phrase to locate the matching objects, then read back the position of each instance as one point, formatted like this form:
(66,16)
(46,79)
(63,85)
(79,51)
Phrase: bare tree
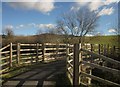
(8,32)
(8,36)
(77,23)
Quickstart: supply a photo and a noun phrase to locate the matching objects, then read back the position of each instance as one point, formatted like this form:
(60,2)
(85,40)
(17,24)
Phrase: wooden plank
(4,58)
(54,53)
(27,49)
(11,54)
(28,44)
(14,50)
(48,54)
(71,65)
(28,58)
(61,44)
(50,49)
(5,47)
(27,54)
(100,79)
(55,49)
(76,65)
(69,61)
(68,70)
(70,54)
(18,53)
(115,71)
(103,57)
(37,52)
(3,64)
(43,51)
(40,49)
(61,53)
(49,43)
(5,52)
(14,60)
(99,49)
(3,70)
(40,56)
(14,55)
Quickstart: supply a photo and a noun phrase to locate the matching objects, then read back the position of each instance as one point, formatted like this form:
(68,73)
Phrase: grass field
(112,40)
(52,38)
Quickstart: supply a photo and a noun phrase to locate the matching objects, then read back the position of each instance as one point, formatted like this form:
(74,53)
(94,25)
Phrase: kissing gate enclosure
(80,60)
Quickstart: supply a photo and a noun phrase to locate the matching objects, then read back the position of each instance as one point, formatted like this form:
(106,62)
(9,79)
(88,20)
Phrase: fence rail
(13,54)
(80,59)
(79,70)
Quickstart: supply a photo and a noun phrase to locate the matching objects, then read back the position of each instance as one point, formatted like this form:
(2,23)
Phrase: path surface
(38,77)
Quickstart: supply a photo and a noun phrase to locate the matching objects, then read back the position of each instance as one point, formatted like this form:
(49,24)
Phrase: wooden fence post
(18,53)
(57,47)
(67,57)
(91,47)
(80,61)
(10,54)
(114,51)
(108,49)
(104,49)
(76,65)
(37,52)
(43,51)
(99,49)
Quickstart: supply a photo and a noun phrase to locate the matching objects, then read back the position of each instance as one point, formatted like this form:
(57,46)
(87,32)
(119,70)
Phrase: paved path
(38,77)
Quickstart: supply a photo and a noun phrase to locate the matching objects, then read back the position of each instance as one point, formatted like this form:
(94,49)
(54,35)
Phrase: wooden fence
(16,54)
(80,60)
(83,59)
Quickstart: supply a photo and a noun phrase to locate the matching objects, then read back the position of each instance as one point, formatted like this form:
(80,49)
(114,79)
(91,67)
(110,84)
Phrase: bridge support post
(18,53)
(43,52)
(37,52)
(76,65)
(10,54)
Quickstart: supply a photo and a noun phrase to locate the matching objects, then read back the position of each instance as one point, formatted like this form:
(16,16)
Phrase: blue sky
(27,18)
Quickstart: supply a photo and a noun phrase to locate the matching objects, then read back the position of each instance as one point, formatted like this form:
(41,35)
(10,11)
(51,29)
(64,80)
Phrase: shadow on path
(38,77)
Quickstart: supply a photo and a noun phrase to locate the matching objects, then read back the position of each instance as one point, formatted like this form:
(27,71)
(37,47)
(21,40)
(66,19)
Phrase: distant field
(52,38)
(112,40)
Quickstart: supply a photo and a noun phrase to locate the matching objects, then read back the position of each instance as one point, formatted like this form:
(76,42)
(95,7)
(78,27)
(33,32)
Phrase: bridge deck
(38,77)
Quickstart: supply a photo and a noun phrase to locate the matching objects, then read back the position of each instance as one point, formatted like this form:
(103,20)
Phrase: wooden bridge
(78,62)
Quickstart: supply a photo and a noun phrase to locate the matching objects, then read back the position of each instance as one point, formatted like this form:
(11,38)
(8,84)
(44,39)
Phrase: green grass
(19,69)
(112,40)
(52,38)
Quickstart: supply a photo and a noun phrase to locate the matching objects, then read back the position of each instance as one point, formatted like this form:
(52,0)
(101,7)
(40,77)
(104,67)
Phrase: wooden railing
(16,54)
(83,59)
(80,60)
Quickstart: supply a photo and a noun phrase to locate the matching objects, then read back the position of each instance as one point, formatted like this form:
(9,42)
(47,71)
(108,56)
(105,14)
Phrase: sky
(26,18)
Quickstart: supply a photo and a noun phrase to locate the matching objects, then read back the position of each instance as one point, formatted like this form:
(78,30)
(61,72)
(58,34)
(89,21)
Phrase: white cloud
(89,35)
(8,27)
(112,30)
(75,8)
(20,26)
(34,25)
(44,7)
(96,5)
(45,26)
(106,11)
(92,4)
(107,2)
